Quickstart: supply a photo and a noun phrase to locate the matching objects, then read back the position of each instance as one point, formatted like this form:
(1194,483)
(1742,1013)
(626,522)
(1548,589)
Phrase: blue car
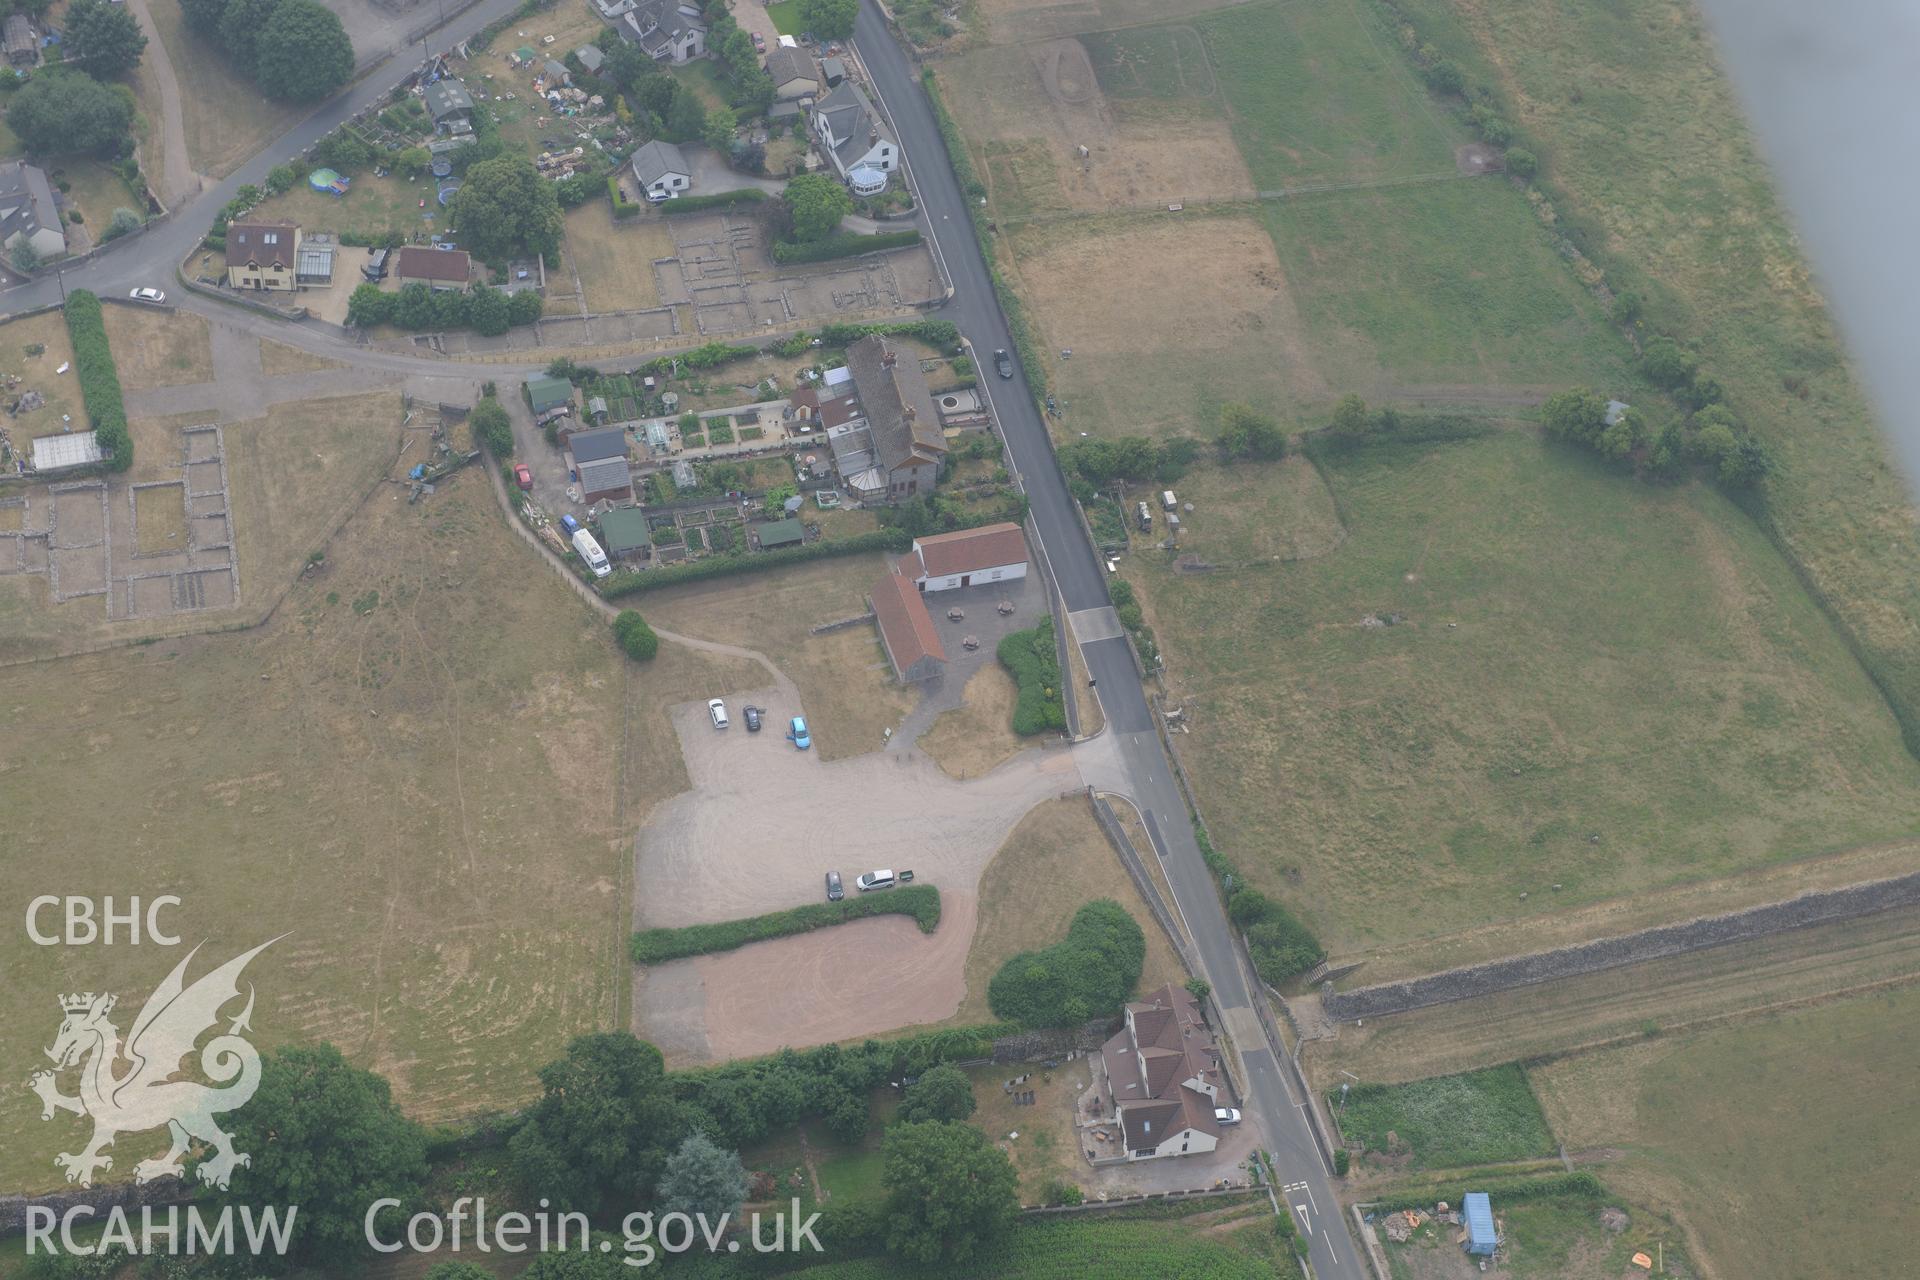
(571,525)
(798,734)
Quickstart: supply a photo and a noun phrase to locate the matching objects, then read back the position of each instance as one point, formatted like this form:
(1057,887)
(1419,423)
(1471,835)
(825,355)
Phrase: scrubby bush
(492,428)
(1033,661)
(1088,974)
(638,642)
(1281,946)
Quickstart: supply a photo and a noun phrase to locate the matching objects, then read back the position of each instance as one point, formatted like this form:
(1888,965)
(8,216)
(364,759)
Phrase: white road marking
(1328,1237)
(1305,1221)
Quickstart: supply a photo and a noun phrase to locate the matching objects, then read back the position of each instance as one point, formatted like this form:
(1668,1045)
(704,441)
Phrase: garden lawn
(1591,686)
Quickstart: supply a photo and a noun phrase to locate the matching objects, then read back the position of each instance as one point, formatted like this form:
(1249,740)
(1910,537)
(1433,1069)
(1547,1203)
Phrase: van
(1167,501)
(874,880)
(591,553)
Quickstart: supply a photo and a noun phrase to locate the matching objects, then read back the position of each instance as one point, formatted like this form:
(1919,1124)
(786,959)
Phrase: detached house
(886,438)
(661,170)
(1163,1077)
(263,255)
(858,142)
(28,214)
(665,30)
(435,268)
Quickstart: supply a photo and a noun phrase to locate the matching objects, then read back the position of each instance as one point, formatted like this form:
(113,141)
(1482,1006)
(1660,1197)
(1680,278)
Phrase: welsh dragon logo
(146,1095)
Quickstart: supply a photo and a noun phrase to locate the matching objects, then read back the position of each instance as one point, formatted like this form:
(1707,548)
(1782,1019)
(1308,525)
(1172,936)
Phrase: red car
(523,477)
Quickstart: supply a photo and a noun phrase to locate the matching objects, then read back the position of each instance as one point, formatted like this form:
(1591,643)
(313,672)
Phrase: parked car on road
(147,295)
(523,476)
(718,711)
(798,733)
(1002,362)
(834,891)
(875,880)
(1226,1115)
(752,715)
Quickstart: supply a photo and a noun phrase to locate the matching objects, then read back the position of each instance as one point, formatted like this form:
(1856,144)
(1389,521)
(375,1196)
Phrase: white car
(147,295)
(1226,1115)
(718,710)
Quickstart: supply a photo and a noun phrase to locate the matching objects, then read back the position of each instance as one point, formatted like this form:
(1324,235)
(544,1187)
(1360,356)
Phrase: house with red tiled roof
(969,557)
(906,629)
(1164,1076)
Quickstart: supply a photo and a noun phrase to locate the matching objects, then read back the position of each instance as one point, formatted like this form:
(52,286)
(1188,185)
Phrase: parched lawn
(224,113)
(158,348)
(615,259)
(1592,686)
(1773,1140)
(1319,93)
(1483,1117)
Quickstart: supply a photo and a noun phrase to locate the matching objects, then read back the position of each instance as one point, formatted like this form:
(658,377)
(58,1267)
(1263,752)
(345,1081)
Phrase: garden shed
(1482,1239)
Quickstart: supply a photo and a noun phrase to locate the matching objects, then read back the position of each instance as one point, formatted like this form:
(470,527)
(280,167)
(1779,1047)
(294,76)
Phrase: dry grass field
(1777,1142)
(976,737)
(615,259)
(158,348)
(18,339)
(843,678)
(1245,516)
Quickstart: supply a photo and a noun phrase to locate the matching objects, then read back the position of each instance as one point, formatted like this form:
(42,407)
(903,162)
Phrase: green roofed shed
(781,533)
(623,531)
(546,393)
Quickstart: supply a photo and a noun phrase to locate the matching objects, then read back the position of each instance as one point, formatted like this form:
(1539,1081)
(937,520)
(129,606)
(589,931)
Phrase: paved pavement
(1147,776)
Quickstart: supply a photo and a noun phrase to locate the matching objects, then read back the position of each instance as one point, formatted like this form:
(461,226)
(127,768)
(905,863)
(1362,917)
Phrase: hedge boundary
(628,582)
(1030,657)
(99,378)
(842,246)
(657,946)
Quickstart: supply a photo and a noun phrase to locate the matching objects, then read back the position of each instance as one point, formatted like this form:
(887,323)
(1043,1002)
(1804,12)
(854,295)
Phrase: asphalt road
(1082,579)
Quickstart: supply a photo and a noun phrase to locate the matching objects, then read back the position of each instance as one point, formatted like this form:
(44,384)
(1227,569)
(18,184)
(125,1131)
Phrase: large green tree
(204,16)
(241,24)
(325,1135)
(949,1190)
(105,40)
(829,19)
(944,1093)
(1576,414)
(703,1177)
(63,113)
(505,208)
(303,53)
(599,1134)
(816,202)
(1247,434)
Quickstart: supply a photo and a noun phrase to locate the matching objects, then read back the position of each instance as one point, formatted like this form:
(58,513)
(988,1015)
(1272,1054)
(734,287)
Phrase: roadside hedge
(99,379)
(626,582)
(657,946)
(719,200)
(1031,658)
(1282,947)
(841,246)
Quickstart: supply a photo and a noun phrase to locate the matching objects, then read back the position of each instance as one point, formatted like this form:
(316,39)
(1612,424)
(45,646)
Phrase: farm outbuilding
(780,533)
(544,393)
(623,532)
(1482,1239)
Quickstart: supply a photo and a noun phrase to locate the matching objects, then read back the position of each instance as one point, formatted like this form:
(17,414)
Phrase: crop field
(1521,674)
(1644,137)
(1771,1140)
(426,780)
(1483,1117)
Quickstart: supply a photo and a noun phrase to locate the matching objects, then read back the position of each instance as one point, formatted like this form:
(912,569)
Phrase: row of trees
(294,50)
(1092,465)
(417,308)
(1711,436)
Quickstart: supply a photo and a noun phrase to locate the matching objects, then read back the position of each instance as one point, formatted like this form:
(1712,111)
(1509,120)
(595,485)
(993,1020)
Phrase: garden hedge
(657,946)
(1031,658)
(99,379)
(842,246)
(627,582)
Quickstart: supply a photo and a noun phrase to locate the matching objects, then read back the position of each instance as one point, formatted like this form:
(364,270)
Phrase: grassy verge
(657,946)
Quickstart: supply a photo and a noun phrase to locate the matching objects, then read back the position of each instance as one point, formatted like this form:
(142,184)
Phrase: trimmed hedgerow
(99,379)
(627,582)
(845,246)
(1281,946)
(1030,657)
(719,200)
(657,946)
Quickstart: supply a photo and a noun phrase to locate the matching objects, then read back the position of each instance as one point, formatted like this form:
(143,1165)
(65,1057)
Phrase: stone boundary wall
(126,1195)
(1699,934)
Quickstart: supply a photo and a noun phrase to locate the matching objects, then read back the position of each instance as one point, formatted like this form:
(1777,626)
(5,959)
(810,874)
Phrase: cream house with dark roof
(1164,1076)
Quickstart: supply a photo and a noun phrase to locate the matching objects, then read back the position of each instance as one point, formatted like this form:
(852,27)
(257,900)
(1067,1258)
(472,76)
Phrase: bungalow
(600,461)
(991,553)
(450,105)
(854,136)
(661,170)
(22,43)
(263,255)
(666,30)
(907,632)
(793,72)
(1163,1077)
(435,268)
(28,214)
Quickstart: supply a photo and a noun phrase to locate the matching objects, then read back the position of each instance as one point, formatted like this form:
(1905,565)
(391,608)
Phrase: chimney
(908,412)
(886,358)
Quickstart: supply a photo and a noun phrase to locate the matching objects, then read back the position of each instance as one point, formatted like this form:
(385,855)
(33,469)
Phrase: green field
(1318,95)
(1482,1117)
(1595,686)
(1780,1142)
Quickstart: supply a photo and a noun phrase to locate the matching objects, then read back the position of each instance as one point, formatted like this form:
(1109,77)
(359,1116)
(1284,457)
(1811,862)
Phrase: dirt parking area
(760,827)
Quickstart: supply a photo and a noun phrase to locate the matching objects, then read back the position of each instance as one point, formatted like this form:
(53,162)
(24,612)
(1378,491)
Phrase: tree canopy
(303,53)
(325,1135)
(816,202)
(1246,434)
(505,208)
(829,19)
(635,637)
(105,40)
(1088,974)
(949,1190)
(1576,415)
(943,1093)
(64,113)
(703,1178)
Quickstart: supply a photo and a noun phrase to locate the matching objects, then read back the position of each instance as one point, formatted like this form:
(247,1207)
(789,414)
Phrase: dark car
(753,719)
(1003,362)
(834,891)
